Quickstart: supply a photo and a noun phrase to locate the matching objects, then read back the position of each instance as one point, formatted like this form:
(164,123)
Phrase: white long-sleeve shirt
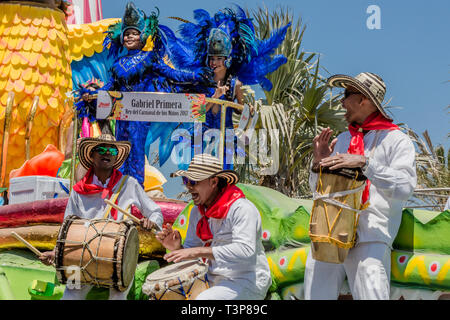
(237,248)
(92,206)
(392,173)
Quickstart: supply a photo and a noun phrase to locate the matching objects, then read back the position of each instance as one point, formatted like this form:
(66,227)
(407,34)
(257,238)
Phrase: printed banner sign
(151,106)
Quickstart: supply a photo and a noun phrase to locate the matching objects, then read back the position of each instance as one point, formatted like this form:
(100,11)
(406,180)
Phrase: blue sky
(411,51)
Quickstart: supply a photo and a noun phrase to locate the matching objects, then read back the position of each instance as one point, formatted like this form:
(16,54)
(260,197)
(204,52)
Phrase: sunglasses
(191,182)
(102,150)
(349,93)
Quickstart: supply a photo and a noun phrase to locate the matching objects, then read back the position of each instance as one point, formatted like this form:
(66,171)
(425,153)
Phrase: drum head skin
(175,270)
(130,256)
(178,281)
(349,173)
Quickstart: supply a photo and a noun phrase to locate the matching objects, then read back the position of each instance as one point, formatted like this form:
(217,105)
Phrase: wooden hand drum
(178,281)
(334,216)
(105,252)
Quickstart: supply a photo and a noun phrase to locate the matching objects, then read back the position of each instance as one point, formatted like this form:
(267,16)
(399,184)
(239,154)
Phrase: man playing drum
(225,228)
(387,158)
(102,157)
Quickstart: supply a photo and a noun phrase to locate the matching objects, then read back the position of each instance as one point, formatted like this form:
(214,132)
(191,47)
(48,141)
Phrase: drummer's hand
(189,254)
(47,258)
(344,160)
(169,238)
(321,146)
(147,224)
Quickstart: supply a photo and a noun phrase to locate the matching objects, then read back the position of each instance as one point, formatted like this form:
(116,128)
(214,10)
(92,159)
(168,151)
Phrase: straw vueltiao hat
(87,144)
(369,84)
(204,166)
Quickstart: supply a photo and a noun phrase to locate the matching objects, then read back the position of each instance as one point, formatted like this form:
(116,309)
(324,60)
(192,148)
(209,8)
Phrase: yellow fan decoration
(36,50)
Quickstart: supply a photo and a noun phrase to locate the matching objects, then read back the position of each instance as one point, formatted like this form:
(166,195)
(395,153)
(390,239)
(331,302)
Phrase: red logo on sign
(104,105)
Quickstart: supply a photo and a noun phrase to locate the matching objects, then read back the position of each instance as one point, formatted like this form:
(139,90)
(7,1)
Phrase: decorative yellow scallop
(46,46)
(17,19)
(42,79)
(35,77)
(52,34)
(6,70)
(15,30)
(29,88)
(54,50)
(33,31)
(3,43)
(19,85)
(52,62)
(26,75)
(5,19)
(37,45)
(46,90)
(53,102)
(88,32)
(15,72)
(25,19)
(20,43)
(12,42)
(42,61)
(3,100)
(24,30)
(15,58)
(42,33)
(28,44)
(33,58)
(45,22)
(36,21)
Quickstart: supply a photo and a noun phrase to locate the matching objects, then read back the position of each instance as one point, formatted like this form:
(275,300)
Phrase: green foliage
(433,172)
(298,106)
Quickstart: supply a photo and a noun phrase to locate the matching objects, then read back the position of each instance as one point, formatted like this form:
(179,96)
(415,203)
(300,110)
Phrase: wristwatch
(364,167)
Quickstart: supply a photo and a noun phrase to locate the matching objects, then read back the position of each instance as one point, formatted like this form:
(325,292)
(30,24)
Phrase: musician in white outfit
(102,157)
(387,158)
(224,228)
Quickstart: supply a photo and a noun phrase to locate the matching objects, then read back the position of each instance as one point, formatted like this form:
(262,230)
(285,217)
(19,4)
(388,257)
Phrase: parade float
(38,53)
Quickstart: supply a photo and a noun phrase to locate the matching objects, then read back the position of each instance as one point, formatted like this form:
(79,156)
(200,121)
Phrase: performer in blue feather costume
(138,70)
(227,44)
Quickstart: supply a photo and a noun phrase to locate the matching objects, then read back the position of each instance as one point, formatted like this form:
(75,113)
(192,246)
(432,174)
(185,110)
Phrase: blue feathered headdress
(133,18)
(251,58)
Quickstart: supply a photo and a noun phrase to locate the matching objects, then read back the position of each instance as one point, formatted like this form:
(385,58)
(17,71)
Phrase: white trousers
(226,289)
(368,270)
(80,294)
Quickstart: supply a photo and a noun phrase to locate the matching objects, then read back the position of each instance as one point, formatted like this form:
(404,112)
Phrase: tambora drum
(105,252)
(335,213)
(178,281)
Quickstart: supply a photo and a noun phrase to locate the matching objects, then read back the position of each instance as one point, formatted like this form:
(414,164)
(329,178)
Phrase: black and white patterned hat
(204,166)
(369,84)
(88,144)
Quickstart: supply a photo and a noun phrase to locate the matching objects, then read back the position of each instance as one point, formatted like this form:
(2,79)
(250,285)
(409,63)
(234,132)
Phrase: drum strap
(114,197)
(329,197)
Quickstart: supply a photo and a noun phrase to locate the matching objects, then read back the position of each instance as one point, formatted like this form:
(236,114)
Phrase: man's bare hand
(147,224)
(47,258)
(321,146)
(344,160)
(189,254)
(169,238)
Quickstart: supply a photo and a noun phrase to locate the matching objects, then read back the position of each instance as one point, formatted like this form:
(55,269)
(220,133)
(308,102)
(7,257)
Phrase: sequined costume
(230,34)
(138,70)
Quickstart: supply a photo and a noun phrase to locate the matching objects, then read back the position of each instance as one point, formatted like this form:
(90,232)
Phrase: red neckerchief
(85,186)
(218,210)
(375,121)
